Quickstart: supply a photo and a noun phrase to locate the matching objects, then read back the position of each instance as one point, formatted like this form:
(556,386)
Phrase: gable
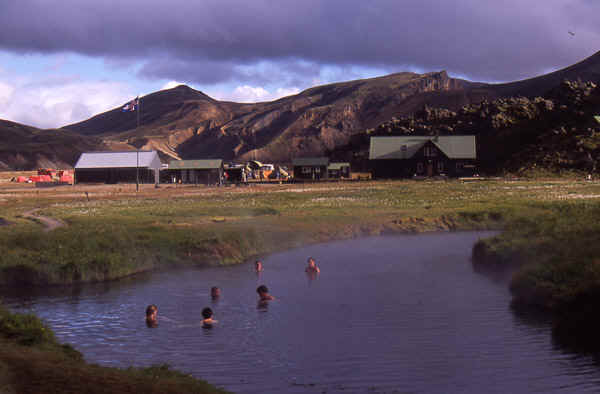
(405,147)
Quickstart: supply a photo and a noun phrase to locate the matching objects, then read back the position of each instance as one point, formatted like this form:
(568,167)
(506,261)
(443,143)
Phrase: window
(440,166)
(419,168)
(459,166)
(430,151)
(317,170)
(306,170)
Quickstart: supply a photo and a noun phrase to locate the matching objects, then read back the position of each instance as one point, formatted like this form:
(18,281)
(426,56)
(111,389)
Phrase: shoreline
(109,234)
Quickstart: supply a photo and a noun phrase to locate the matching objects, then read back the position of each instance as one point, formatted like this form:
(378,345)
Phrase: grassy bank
(112,232)
(554,249)
(30,354)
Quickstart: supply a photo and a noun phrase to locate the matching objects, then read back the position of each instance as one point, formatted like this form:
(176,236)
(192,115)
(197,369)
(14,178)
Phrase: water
(386,315)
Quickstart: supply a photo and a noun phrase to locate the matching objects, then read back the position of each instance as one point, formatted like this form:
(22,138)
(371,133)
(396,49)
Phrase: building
(407,156)
(118,167)
(310,168)
(338,170)
(198,172)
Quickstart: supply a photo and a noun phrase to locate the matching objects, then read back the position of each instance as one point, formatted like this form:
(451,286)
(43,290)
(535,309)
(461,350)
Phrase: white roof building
(115,167)
(127,159)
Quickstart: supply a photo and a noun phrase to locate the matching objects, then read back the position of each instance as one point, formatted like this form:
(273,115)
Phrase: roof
(404,147)
(310,161)
(126,159)
(337,166)
(195,164)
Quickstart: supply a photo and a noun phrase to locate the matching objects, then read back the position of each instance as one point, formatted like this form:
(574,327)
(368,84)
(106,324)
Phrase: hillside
(554,133)
(28,148)
(185,123)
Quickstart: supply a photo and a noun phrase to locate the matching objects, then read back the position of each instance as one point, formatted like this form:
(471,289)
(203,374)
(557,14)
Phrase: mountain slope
(184,123)
(554,133)
(28,148)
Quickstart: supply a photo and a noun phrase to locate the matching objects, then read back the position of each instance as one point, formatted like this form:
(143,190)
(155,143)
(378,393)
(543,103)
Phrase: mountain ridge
(183,123)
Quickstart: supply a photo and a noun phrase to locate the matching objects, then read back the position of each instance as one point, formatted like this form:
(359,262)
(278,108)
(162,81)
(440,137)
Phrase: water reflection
(387,314)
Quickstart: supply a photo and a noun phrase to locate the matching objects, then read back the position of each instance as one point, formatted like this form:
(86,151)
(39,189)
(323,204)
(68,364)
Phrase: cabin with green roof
(310,168)
(338,170)
(197,172)
(422,156)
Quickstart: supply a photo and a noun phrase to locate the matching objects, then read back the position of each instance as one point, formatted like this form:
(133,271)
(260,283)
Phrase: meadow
(111,231)
(548,242)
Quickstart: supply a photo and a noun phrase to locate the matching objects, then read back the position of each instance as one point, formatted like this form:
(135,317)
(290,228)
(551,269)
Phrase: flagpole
(137,154)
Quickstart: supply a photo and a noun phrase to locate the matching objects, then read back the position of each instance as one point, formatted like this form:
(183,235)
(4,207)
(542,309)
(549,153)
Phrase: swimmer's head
(207,313)
(151,311)
(215,292)
(311,261)
(262,289)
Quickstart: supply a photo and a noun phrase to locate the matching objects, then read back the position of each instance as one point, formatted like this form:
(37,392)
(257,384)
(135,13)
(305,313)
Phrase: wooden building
(198,172)
(338,170)
(118,167)
(310,168)
(427,156)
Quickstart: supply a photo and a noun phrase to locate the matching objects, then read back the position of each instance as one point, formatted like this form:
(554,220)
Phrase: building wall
(344,172)
(399,168)
(197,176)
(310,172)
(114,175)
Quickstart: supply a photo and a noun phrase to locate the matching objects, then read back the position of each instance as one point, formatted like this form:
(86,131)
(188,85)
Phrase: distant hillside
(184,123)
(555,133)
(27,148)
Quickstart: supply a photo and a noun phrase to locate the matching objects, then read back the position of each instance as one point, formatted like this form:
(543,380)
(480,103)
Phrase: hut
(427,156)
(198,172)
(338,170)
(118,167)
(310,168)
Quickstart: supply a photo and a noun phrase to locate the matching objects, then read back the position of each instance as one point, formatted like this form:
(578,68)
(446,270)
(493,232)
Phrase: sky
(64,61)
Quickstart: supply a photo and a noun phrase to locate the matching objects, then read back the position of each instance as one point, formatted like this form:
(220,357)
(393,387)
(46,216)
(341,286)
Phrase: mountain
(185,123)
(557,132)
(28,148)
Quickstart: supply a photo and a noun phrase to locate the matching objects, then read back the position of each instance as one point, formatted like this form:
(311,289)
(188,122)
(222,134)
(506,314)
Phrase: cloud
(216,41)
(171,85)
(56,101)
(253,94)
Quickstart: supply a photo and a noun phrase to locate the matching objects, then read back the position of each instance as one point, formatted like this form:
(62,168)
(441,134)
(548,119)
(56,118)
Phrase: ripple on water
(387,314)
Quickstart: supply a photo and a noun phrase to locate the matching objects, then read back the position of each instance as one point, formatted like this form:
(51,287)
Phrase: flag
(132,105)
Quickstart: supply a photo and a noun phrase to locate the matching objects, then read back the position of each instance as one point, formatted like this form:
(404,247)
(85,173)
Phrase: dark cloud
(221,40)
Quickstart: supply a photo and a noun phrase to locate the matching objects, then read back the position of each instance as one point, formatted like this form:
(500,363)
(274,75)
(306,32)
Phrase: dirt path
(49,223)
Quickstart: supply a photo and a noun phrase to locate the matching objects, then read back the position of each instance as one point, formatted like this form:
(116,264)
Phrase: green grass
(118,235)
